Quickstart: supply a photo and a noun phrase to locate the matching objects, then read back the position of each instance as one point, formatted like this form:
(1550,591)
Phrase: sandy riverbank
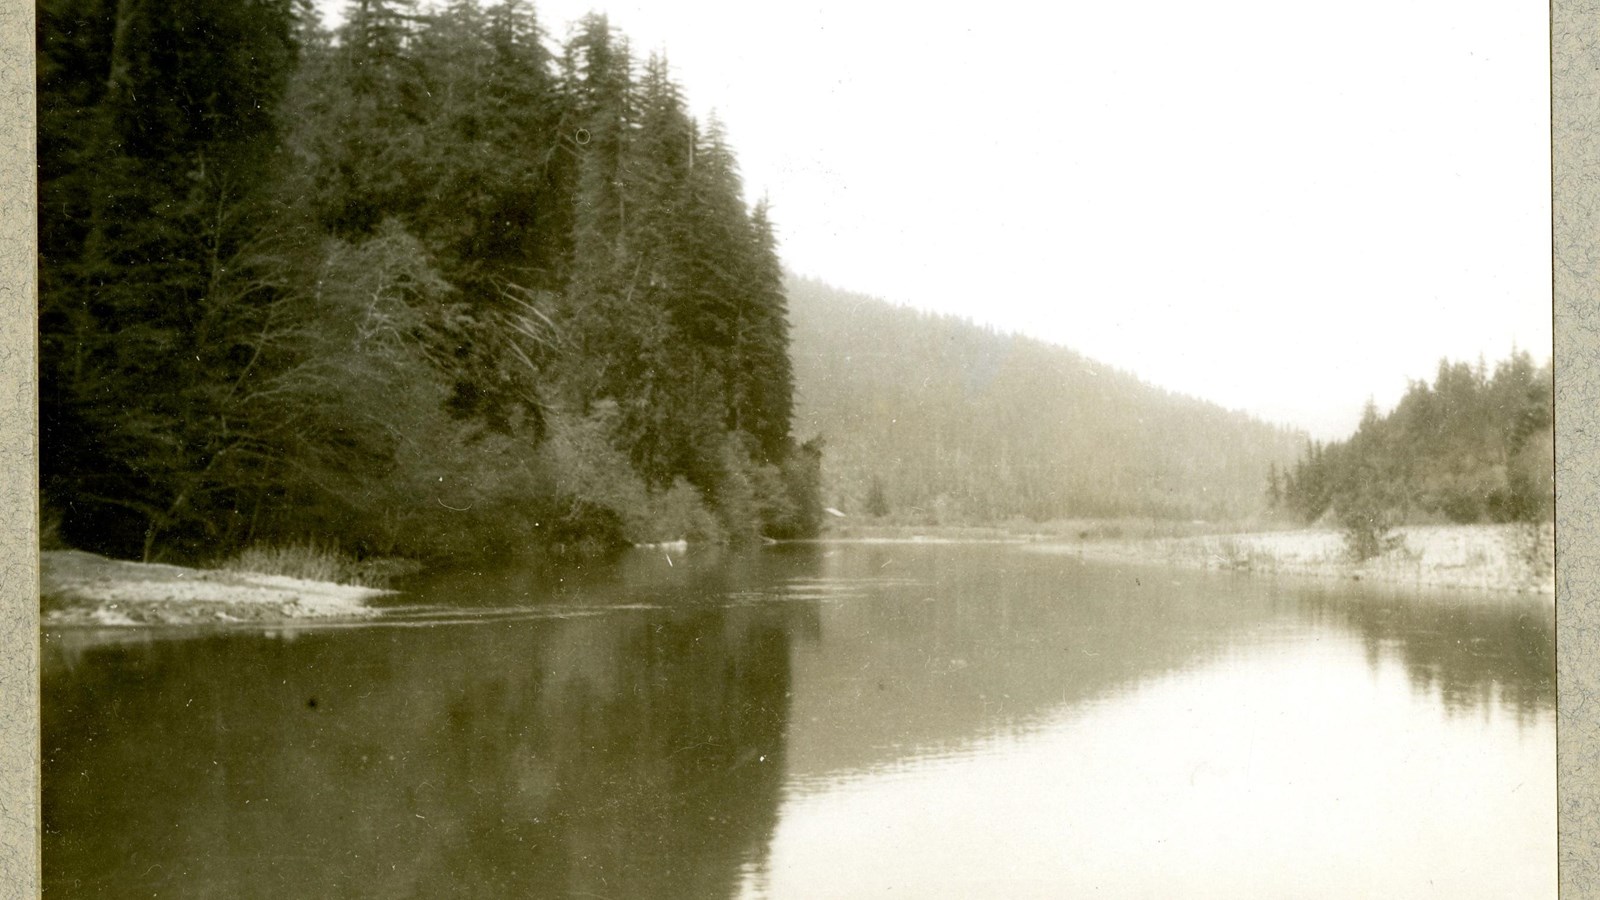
(1506,558)
(77,588)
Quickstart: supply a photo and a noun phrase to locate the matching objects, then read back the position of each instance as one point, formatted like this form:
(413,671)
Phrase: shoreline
(1489,558)
(77,588)
(80,589)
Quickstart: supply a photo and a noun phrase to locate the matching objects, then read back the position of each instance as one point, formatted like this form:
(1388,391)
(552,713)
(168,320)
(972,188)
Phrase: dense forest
(933,420)
(428,284)
(1472,447)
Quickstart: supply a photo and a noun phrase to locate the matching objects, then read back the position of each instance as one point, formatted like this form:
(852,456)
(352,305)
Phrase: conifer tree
(157,168)
(763,378)
(362,119)
(599,85)
(529,225)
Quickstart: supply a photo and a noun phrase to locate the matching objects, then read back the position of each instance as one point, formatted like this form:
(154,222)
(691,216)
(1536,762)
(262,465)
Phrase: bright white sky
(1283,208)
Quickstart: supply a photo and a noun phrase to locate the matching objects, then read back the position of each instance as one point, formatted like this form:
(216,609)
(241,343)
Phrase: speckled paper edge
(1576,175)
(19,491)
(1575,170)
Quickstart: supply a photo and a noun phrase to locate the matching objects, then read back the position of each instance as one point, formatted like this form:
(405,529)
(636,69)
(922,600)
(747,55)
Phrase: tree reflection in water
(636,754)
(1473,651)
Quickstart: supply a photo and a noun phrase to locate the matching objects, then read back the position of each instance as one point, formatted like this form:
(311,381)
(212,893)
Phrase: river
(818,721)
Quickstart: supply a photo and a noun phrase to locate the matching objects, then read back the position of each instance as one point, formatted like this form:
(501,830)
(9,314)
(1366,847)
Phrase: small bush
(737,498)
(678,513)
(595,495)
(799,514)
(1231,554)
(1368,533)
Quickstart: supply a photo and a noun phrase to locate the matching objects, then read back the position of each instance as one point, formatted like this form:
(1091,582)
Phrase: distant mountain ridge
(933,418)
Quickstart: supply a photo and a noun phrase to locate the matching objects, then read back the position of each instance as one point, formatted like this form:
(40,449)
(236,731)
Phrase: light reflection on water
(1290,770)
(929,720)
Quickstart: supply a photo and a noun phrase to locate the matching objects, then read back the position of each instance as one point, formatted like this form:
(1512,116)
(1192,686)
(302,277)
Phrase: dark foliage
(1471,447)
(421,286)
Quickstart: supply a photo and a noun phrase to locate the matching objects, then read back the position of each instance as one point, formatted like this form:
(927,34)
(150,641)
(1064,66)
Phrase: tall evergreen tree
(713,243)
(764,379)
(529,225)
(140,305)
(599,84)
(364,108)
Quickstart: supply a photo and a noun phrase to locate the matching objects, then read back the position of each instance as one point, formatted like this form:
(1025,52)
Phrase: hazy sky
(1281,207)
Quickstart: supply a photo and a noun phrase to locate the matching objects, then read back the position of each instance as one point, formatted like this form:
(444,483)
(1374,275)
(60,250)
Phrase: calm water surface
(818,721)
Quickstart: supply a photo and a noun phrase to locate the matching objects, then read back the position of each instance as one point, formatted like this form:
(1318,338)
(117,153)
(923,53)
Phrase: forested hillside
(1471,447)
(932,419)
(430,284)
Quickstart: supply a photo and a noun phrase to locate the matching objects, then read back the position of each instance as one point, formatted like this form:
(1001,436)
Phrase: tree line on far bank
(1471,447)
(424,285)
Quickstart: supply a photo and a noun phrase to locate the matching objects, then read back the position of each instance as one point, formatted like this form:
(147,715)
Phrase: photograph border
(19,460)
(1575,170)
(1575,220)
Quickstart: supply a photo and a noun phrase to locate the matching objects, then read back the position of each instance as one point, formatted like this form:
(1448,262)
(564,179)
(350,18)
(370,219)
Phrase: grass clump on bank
(312,560)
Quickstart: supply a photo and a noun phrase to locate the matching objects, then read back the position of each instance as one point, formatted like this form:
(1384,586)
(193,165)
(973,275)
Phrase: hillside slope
(935,419)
